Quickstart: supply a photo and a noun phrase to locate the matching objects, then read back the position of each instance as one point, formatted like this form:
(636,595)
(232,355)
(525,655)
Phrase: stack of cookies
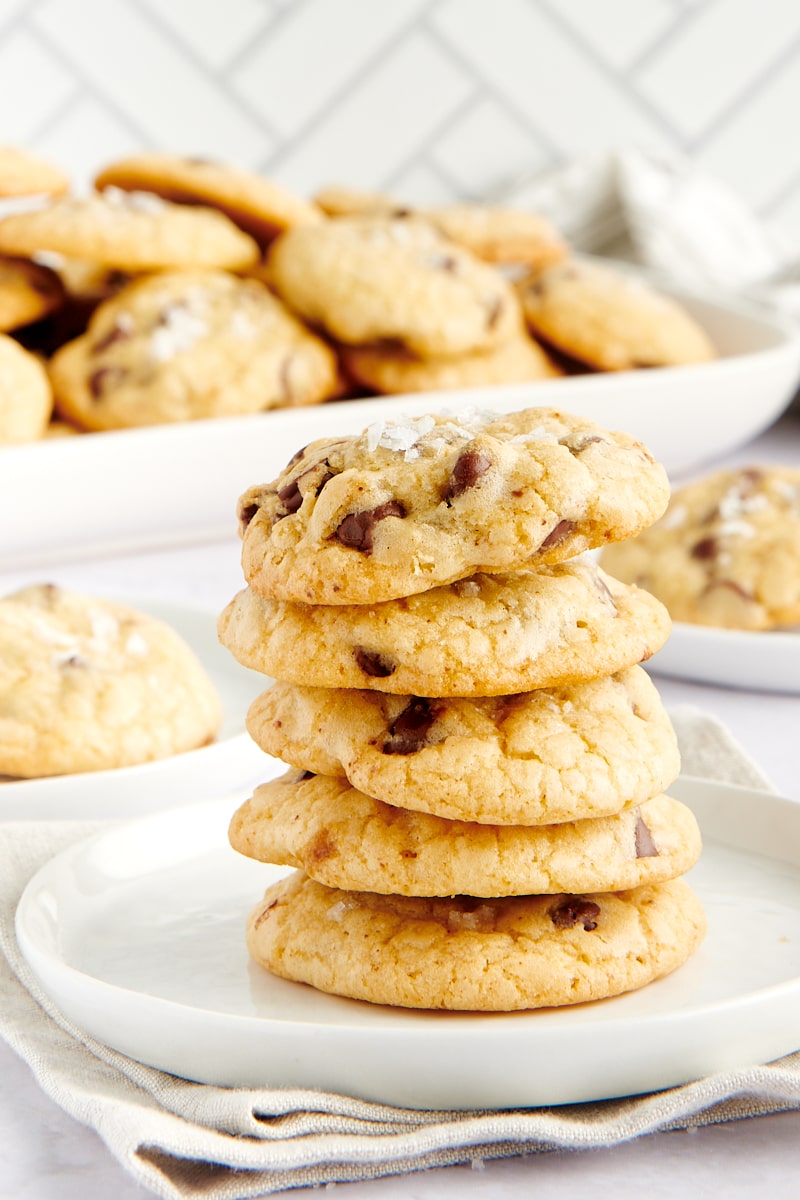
(475,805)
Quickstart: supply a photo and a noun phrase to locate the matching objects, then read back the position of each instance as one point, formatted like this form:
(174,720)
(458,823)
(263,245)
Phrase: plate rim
(443,1028)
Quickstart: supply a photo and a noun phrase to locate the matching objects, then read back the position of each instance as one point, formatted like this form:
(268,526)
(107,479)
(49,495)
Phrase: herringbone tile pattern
(431,98)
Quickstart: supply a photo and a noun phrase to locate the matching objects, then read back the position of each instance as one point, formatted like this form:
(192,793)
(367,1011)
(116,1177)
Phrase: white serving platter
(230,762)
(738,658)
(121,491)
(137,936)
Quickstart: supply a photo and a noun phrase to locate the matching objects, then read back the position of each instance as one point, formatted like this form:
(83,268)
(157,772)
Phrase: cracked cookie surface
(406,506)
(87,684)
(345,839)
(556,754)
(726,552)
(474,954)
(186,345)
(485,636)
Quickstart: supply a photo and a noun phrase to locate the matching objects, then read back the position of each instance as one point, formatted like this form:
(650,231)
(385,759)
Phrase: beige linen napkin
(186,1140)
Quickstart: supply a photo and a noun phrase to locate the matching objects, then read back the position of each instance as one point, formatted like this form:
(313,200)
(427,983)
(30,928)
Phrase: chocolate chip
(574,910)
(469,467)
(643,838)
(246,513)
(100,381)
(562,530)
(291,497)
(409,732)
(298,454)
(323,847)
(705,548)
(357,530)
(577,443)
(115,334)
(302,776)
(373,663)
(493,315)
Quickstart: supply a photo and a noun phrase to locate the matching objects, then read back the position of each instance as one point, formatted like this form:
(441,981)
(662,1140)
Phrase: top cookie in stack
(476,809)
(409,506)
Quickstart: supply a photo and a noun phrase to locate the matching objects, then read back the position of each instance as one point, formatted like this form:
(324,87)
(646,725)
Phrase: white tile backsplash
(435,98)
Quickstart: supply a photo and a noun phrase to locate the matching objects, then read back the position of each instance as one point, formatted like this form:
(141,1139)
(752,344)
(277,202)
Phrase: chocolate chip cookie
(557,754)
(469,953)
(609,320)
(132,231)
(88,684)
(407,506)
(258,205)
(184,345)
(490,635)
(368,279)
(345,839)
(726,552)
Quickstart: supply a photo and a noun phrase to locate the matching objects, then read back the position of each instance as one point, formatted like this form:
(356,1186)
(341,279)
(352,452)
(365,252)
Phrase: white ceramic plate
(138,937)
(179,483)
(768,662)
(232,761)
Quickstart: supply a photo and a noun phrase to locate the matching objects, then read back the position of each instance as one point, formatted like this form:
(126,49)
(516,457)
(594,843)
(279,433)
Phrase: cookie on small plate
(468,953)
(132,231)
(365,279)
(28,292)
(26,174)
(726,552)
(186,345)
(490,635)
(520,360)
(610,320)
(26,399)
(258,205)
(409,505)
(87,684)
(344,839)
(557,754)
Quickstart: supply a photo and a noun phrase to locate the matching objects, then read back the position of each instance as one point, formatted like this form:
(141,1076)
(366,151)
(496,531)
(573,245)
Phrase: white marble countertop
(45,1155)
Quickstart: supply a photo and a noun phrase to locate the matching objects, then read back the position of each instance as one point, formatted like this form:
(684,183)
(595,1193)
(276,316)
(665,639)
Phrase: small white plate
(230,762)
(766,662)
(138,936)
(196,470)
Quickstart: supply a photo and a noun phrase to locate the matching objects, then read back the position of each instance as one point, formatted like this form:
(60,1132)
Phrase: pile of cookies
(476,804)
(88,684)
(184,289)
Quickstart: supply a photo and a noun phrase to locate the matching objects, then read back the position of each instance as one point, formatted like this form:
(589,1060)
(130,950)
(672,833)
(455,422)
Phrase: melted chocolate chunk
(468,469)
(574,910)
(291,497)
(705,548)
(373,663)
(246,513)
(409,733)
(645,845)
(562,530)
(357,530)
(100,381)
(115,334)
(493,315)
